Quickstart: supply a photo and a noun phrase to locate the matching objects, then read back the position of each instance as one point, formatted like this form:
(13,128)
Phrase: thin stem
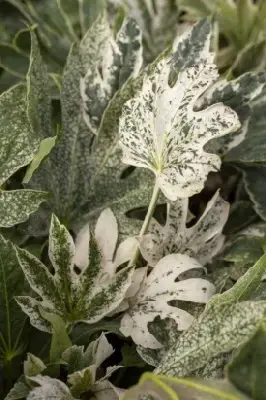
(146,223)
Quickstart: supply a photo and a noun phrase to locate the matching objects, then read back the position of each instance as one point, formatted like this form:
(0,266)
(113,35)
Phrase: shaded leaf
(246,370)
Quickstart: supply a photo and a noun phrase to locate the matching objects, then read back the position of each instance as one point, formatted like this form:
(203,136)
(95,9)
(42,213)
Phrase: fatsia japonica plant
(121,247)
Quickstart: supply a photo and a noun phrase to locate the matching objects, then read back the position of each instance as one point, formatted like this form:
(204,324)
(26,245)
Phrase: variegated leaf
(78,176)
(33,366)
(96,353)
(202,240)
(218,330)
(159,129)
(71,292)
(49,388)
(82,381)
(158,21)
(160,287)
(108,62)
(241,95)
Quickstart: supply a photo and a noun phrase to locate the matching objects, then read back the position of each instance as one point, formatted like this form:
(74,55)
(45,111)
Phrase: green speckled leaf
(159,129)
(18,141)
(218,330)
(17,205)
(81,293)
(244,287)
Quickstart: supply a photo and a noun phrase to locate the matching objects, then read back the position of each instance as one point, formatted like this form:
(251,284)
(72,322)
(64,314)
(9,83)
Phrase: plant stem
(146,223)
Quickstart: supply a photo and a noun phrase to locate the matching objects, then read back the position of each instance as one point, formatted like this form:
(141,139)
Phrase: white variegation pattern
(85,285)
(202,240)
(160,130)
(159,288)
(108,61)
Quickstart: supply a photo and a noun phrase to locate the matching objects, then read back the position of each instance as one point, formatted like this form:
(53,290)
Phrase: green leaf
(12,320)
(60,339)
(45,148)
(160,131)
(17,205)
(247,369)
(13,60)
(89,11)
(73,293)
(218,330)
(244,287)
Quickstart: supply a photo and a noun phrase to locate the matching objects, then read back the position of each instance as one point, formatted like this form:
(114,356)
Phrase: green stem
(146,223)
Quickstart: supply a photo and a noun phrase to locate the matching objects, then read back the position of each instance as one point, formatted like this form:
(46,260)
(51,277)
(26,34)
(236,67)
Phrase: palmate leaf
(74,293)
(202,240)
(74,173)
(158,289)
(19,143)
(159,129)
(218,330)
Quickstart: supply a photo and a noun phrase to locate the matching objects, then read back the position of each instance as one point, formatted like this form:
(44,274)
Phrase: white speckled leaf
(218,330)
(108,62)
(159,129)
(161,287)
(49,388)
(202,240)
(75,294)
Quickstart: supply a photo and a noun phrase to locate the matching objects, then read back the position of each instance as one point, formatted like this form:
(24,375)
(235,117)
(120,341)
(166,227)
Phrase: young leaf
(218,330)
(159,288)
(203,240)
(75,293)
(159,129)
(33,366)
(245,371)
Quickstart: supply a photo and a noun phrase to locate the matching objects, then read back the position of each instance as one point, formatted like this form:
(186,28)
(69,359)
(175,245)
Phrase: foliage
(132,199)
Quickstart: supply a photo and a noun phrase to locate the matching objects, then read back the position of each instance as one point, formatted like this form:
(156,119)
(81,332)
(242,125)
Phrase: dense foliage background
(124,250)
